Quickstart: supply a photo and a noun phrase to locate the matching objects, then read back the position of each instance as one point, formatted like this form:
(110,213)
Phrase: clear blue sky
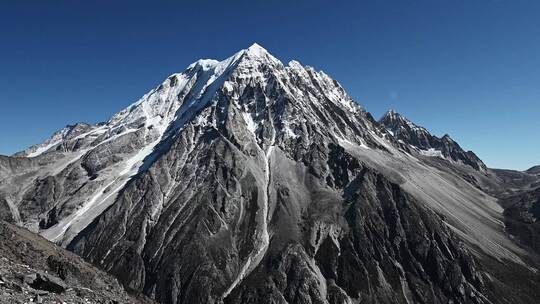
(467,68)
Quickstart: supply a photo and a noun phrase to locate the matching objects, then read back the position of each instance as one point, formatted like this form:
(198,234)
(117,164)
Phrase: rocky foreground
(34,270)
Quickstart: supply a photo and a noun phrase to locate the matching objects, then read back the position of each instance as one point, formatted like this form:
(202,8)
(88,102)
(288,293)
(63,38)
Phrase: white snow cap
(256,49)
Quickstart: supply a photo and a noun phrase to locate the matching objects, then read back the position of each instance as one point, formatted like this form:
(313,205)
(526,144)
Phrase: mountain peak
(256,48)
(254,52)
(428,144)
(392,112)
(447,137)
(393,115)
(257,53)
(394,120)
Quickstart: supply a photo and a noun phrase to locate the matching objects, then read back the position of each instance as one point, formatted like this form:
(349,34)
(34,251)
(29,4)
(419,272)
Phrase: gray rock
(38,299)
(29,275)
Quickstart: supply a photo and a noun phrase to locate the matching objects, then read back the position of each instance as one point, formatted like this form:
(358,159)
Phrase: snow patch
(251,125)
(42,149)
(289,132)
(345,143)
(432,153)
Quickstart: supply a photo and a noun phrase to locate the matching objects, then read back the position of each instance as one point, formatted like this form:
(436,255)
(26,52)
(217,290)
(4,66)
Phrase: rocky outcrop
(45,282)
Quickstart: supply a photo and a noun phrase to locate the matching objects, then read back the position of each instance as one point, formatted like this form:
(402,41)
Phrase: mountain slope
(534,170)
(247,180)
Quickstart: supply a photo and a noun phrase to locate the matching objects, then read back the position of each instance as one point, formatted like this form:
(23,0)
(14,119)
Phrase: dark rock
(46,282)
(522,217)
(534,170)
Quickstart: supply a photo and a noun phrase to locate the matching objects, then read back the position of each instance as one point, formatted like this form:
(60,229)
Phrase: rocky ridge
(534,170)
(424,143)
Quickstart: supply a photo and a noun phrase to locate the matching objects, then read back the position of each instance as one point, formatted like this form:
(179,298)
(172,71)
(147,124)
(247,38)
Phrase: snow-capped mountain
(249,181)
(427,144)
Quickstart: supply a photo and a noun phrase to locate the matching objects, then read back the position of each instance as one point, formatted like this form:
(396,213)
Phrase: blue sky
(467,68)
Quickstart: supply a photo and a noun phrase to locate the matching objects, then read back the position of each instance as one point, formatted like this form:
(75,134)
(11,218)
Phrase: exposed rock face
(34,270)
(5,211)
(522,216)
(248,181)
(428,144)
(379,246)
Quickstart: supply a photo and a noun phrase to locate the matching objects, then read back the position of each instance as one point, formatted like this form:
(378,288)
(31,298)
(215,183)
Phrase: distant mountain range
(250,181)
